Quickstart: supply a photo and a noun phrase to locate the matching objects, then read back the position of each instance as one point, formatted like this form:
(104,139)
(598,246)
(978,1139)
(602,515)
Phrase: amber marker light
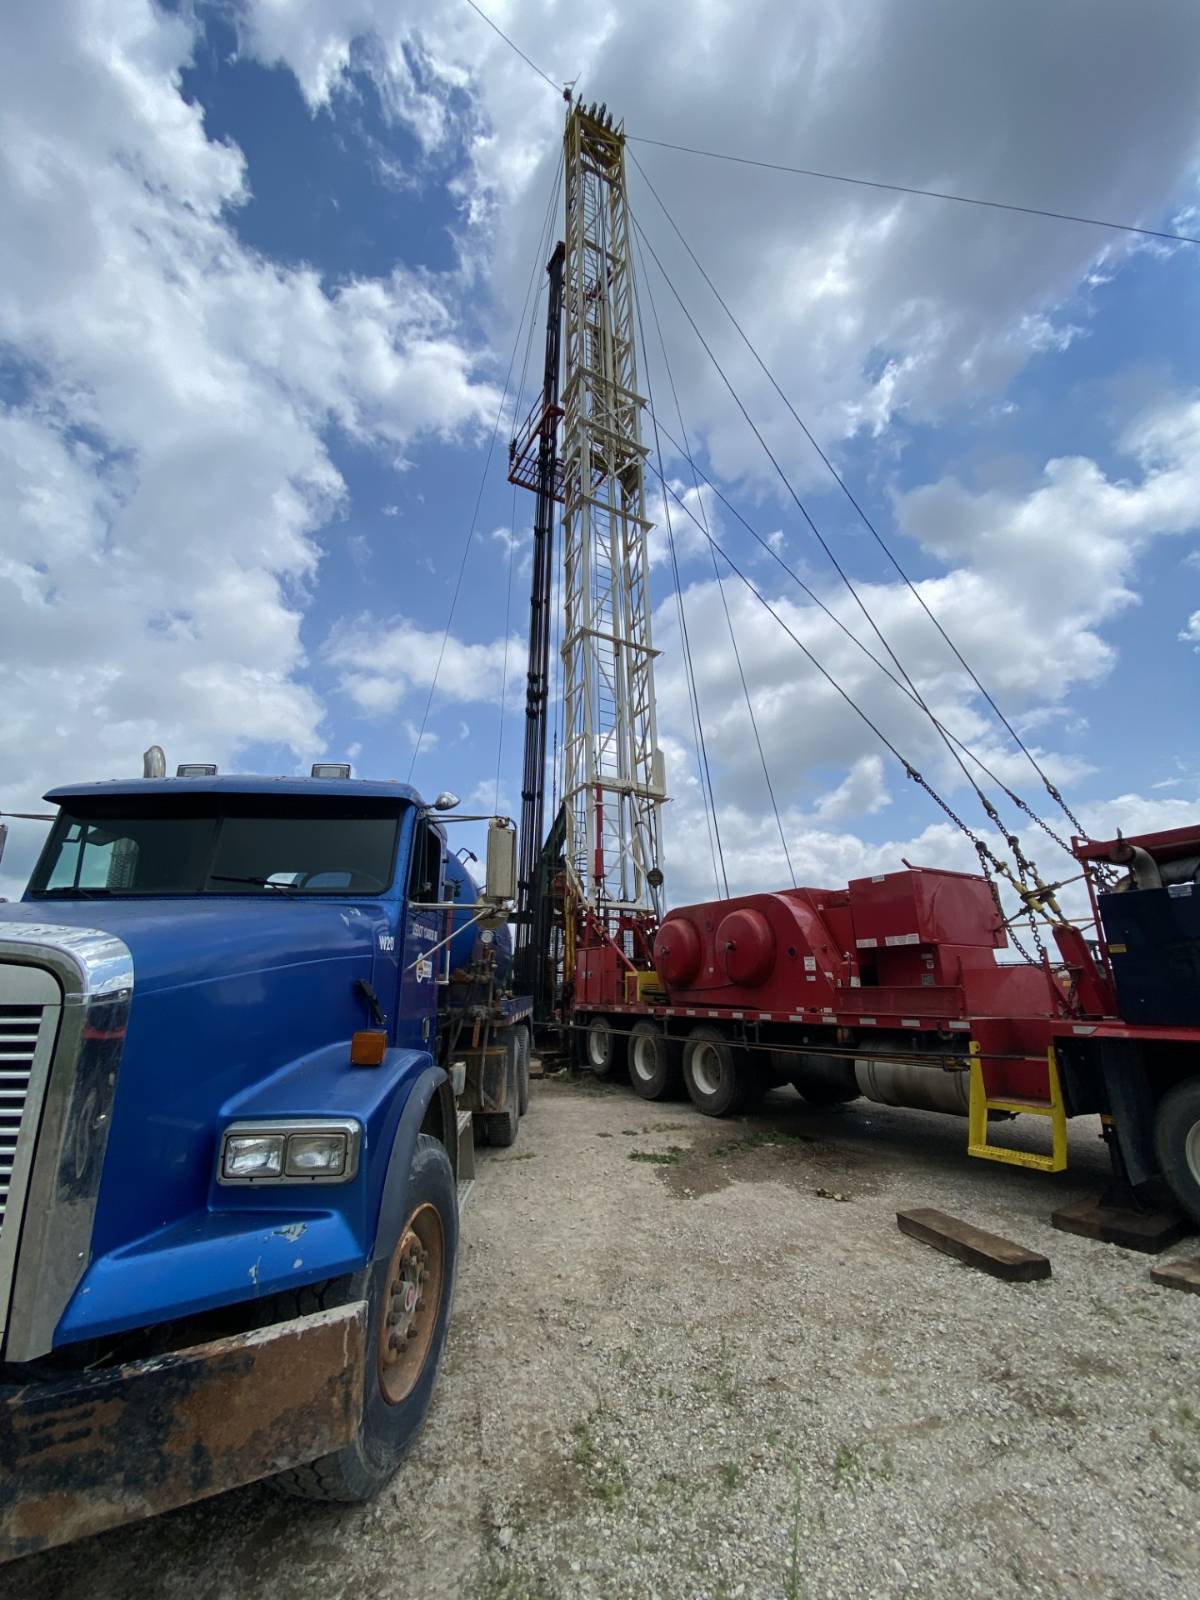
(367,1048)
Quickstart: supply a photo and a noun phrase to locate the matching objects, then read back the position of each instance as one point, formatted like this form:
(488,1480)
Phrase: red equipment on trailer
(890,988)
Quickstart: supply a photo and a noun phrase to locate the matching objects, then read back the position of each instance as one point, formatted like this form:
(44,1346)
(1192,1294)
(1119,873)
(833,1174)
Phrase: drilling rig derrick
(586,453)
(613,780)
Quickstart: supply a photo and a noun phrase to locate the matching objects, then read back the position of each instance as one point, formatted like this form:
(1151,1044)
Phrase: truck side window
(425,880)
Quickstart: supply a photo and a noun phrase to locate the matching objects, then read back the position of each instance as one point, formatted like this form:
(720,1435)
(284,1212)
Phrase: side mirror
(500,877)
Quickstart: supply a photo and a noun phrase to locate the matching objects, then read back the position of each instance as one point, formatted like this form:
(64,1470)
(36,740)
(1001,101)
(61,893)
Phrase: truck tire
(654,1067)
(501,1126)
(1177,1144)
(721,1079)
(408,1298)
(603,1048)
(525,1045)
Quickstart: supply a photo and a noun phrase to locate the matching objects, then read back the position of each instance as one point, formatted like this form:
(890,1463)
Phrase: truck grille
(20,1027)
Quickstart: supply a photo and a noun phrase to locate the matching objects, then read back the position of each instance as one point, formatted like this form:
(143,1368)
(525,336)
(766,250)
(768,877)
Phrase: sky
(263,276)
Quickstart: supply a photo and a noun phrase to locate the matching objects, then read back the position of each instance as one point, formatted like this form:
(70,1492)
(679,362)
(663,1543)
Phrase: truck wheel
(501,1126)
(654,1069)
(525,1045)
(604,1049)
(1177,1143)
(408,1312)
(721,1079)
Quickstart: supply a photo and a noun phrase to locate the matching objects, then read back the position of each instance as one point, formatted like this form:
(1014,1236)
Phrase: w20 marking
(387,942)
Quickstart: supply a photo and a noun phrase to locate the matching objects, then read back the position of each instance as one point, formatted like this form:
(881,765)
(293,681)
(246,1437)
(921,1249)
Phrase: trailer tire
(603,1048)
(525,1045)
(501,1126)
(1177,1143)
(397,1393)
(721,1078)
(655,1070)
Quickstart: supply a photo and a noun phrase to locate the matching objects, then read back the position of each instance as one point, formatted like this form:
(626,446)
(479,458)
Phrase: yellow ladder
(980,1105)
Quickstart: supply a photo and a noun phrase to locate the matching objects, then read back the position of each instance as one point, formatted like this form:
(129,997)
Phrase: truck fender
(393,1198)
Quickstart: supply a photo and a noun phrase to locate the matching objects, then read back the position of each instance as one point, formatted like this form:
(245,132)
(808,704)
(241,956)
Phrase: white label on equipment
(1178,890)
(424,970)
(902,938)
(867,944)
(810,963)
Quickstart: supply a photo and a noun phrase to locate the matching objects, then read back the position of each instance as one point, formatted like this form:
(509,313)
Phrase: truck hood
(229,994)
(175,942)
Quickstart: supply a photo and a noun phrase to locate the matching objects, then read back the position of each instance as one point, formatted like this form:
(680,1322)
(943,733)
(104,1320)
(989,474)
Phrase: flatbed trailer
(891,989)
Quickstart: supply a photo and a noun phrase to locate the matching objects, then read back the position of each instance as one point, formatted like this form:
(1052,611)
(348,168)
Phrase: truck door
(422,929)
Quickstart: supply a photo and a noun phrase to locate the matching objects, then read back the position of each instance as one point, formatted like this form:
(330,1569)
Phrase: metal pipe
(1143,869)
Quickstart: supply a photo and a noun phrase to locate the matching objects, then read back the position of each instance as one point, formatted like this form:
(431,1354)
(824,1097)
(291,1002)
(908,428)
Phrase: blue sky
(260,291)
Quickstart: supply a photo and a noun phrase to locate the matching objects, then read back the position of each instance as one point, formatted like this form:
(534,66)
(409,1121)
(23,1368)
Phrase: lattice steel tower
(613,781)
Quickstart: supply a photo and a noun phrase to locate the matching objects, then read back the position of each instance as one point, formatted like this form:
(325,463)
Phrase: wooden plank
(1183,1275)
(973,1246)
(1147,1231)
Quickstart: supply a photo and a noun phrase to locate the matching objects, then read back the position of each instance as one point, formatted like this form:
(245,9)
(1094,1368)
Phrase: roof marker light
(196,769)
(331,769)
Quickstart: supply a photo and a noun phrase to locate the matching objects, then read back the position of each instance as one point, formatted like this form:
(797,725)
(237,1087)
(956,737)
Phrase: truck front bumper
(93,1450)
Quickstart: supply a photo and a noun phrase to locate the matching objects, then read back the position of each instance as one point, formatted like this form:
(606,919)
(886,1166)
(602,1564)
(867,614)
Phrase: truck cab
(248,1028)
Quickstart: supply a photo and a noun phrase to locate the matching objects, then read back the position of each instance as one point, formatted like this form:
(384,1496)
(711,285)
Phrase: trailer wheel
(501,1126)
(603,1048)
(1177,1143)
(721,1078)
(525,1045)
(654,1066)
(409,1309)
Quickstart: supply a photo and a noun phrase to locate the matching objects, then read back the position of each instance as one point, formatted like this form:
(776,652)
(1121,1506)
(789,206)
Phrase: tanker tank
(469,938)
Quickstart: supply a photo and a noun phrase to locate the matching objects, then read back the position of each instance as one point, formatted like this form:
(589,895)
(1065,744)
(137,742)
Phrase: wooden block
(1148,1231)
(1183,1275)
(973,1246)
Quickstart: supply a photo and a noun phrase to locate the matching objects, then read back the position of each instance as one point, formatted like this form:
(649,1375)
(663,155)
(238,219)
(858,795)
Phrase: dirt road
(678,1370)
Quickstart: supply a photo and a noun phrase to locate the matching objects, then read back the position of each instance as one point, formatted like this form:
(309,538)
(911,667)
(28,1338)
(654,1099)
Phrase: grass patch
(659,1158)
(849,1468)
(607,1477)
(761,1139)
(731,1474)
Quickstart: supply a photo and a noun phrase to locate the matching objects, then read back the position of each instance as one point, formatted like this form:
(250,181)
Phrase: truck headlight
(304,1150)
(313,1154)
(253,1155)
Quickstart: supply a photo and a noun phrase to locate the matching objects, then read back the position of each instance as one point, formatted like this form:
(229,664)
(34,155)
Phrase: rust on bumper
(94,1450)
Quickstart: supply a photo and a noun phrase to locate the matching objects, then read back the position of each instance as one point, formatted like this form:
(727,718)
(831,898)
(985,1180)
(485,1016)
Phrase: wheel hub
(706,1069)
(411,1303)
(1192,1150)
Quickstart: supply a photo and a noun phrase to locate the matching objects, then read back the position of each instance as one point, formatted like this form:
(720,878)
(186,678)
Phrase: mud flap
(91,1451)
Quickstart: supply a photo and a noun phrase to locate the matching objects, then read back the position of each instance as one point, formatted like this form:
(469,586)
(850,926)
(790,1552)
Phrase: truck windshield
(145,849)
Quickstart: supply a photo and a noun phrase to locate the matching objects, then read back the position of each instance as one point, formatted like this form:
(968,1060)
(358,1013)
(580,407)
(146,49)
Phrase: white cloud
(1029,581)
(380,662)
(425,739)
(1190,633)
(163,473)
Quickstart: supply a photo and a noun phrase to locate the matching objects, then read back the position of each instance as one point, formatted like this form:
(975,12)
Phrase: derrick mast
(613,783)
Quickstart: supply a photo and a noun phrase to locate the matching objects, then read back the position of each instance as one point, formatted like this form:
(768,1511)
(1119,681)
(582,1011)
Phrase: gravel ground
(698,1376)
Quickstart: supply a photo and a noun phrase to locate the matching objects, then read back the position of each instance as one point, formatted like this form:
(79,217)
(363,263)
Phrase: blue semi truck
(250,1029)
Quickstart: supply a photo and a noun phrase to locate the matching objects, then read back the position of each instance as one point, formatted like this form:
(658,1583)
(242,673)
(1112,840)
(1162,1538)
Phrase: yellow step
(977,1120)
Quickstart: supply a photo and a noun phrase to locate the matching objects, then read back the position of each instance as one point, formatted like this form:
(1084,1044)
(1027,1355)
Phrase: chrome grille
(20,1027)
